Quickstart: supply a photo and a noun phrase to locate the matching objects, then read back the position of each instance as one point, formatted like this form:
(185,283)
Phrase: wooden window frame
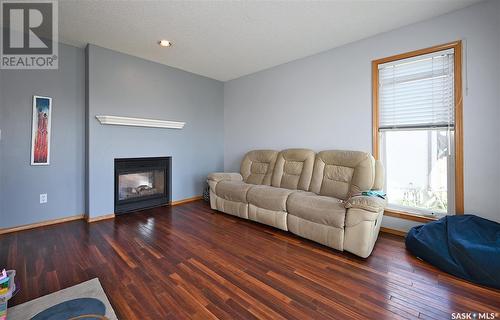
(458,98)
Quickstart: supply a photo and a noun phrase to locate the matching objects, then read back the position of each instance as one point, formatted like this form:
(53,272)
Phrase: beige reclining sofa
(313,195)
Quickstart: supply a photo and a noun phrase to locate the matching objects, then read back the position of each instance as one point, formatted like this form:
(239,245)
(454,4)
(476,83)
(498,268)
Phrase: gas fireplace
(142,183)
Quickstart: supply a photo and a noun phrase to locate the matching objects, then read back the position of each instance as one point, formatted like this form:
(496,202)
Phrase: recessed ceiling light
(165,43)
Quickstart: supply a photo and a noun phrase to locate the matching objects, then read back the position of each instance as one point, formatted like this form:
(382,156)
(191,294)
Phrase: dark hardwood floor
(186,262)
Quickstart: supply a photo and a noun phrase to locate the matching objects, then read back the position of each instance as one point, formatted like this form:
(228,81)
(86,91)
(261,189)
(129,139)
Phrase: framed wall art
(40,132)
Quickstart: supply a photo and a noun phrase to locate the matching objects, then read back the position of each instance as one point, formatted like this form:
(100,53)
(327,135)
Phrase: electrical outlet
(43,198)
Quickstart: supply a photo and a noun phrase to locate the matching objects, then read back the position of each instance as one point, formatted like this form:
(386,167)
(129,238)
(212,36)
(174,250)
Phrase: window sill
(408,216)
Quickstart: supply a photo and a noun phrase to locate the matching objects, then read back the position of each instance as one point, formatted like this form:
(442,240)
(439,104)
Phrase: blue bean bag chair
(466,246)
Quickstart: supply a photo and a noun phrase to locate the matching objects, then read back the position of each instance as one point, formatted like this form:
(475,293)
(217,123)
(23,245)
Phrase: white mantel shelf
(140,122)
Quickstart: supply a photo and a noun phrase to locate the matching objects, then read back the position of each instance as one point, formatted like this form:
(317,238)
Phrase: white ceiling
(226,40)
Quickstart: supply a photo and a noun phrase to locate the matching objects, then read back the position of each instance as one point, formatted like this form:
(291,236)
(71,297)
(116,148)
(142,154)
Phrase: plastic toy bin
(4,298)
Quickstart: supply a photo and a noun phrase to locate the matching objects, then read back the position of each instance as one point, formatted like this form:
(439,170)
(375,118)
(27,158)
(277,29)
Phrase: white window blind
(417,92)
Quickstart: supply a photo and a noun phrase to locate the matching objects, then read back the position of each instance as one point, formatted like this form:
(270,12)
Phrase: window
(417,131)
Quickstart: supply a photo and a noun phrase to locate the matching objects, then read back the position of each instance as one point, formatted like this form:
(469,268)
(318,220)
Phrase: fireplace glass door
(142,183)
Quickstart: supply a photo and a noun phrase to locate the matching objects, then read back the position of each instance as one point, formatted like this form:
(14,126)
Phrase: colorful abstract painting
(40,135)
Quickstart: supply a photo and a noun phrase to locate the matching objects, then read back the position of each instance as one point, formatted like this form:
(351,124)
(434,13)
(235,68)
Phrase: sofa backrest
(257,166)
(293,169)
(340,173)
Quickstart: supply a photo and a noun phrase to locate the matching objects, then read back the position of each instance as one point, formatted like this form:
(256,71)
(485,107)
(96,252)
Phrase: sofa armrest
(372,204)
(219,176)
(215,177)
(363,208)
(361,230)
(355,216)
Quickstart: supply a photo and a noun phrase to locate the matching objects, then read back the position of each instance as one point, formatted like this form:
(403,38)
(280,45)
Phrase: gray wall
(123,85)
(1,148)
(324,101)
(63,181)
(120,85)
(320,102)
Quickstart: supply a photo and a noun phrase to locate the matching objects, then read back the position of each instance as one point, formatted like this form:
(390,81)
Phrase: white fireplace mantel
(139,122)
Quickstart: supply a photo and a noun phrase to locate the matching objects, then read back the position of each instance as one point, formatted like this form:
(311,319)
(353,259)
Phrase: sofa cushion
(293,169)
(232,190)
(269,198)
(319,209)
(257,166)
(341,173)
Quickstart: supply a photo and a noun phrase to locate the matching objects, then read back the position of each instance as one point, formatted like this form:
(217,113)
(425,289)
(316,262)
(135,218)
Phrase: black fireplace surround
(142,183)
